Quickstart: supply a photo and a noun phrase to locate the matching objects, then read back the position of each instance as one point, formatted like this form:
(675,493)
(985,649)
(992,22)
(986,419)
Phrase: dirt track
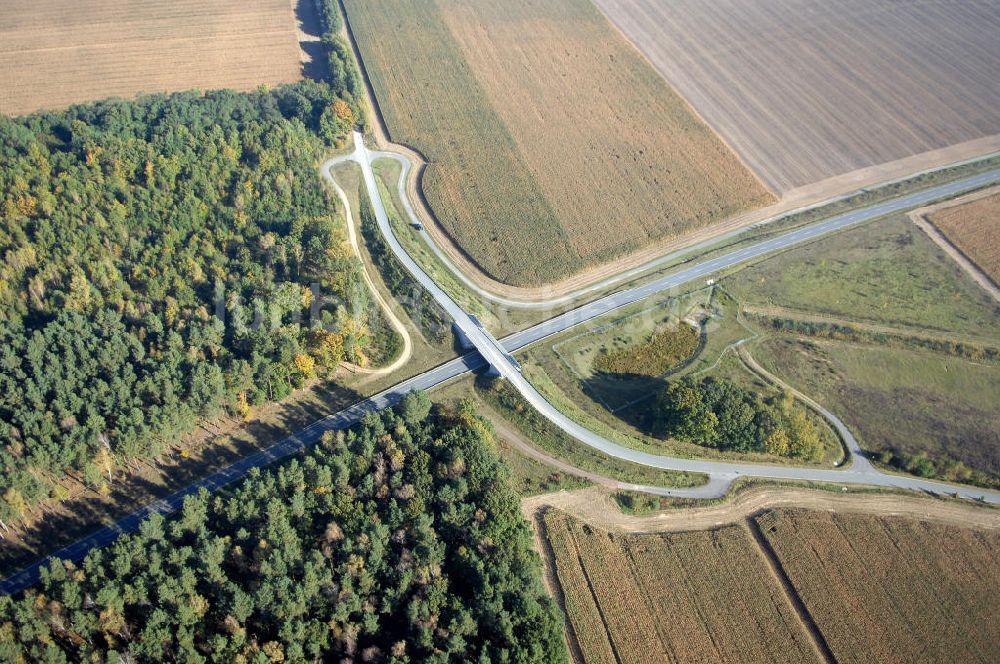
(394,321)
(595,507)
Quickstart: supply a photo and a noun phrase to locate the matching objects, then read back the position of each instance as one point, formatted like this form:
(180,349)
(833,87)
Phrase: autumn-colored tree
(153,271)
(343,112)
(305,365)
(242,407)
(327,348)
(777,442)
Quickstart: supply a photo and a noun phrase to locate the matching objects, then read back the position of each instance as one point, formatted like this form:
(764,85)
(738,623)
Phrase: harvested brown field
(885,589)
(974,228)
(54,53)
(834,583)
(805,90)
(696,596)
(543,128)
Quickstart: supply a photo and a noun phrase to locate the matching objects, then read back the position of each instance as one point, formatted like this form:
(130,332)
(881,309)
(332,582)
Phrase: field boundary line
(641,262)
(921,217)
(778,313)
(550,577)
(597,601)
(791,595)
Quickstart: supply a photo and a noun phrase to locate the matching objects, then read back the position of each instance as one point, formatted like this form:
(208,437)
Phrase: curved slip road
(721,474)
(894,205)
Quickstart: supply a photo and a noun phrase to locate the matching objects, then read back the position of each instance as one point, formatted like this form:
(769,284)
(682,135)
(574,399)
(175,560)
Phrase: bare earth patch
(54,53)
(805,90)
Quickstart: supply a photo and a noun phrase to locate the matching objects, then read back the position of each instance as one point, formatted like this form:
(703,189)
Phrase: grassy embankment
(882,327)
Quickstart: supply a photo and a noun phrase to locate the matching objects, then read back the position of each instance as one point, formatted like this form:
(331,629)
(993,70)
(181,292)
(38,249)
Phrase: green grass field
(885,272)
(543,126)
(907,401)
(531,476)
(903,402)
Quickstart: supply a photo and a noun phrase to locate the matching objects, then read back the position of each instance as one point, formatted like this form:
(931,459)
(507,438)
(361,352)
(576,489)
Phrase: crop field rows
(672,598)
(804,90)
(54,53)
(892,589)
(543,128)
(886,589)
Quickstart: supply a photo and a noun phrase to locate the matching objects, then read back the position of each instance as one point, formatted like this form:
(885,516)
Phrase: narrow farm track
(595,507)
(922,219)
(397,324)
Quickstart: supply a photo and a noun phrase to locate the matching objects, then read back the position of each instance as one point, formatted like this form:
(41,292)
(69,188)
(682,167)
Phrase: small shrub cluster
(948,469)
(659,353)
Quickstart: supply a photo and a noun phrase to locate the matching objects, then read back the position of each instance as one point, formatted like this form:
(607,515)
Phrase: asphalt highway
(498,355)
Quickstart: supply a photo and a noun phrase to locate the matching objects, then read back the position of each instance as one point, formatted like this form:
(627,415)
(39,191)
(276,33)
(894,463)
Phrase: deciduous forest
(718,413)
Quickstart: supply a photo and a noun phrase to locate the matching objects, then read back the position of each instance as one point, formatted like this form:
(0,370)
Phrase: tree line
(400,540)
(344,77)
(161,260)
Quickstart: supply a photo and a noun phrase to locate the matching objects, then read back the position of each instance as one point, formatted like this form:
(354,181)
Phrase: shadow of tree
(310,33)
(75,518)
(315,67)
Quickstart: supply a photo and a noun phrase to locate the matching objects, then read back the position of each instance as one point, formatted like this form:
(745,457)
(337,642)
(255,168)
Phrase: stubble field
(551,143)
(808,89)
(55,53)
(975,229)
(786,585)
